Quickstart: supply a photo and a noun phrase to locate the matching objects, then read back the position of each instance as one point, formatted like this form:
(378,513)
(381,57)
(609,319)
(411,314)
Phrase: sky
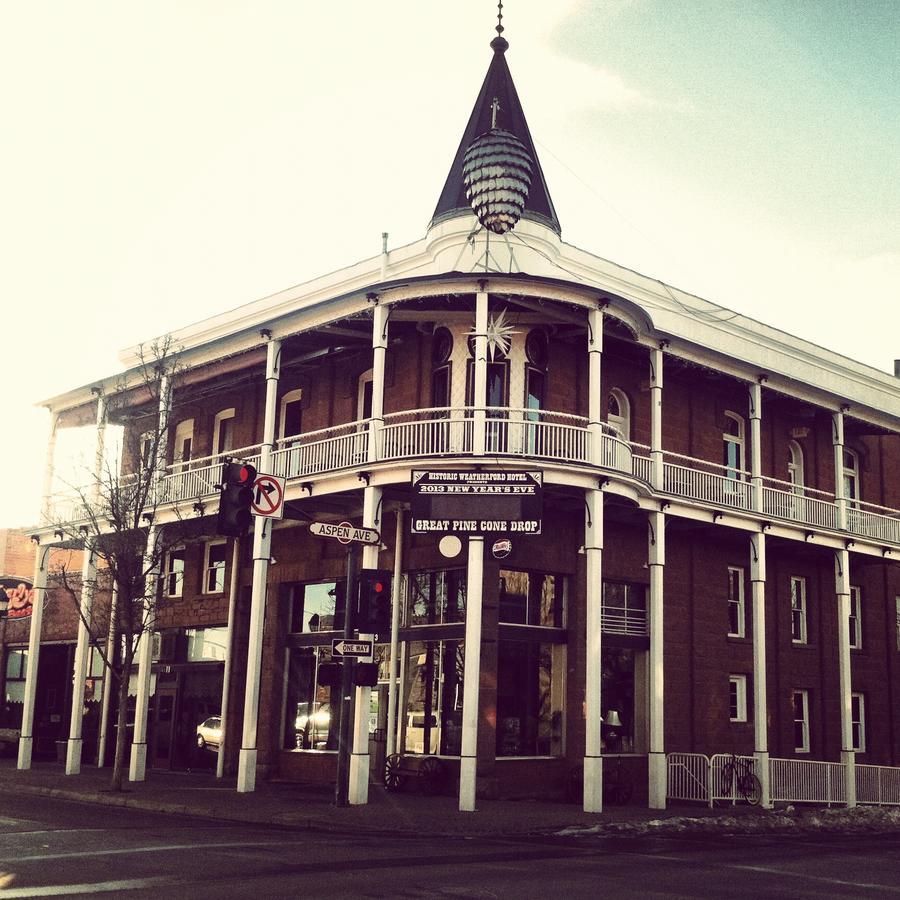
(166,160)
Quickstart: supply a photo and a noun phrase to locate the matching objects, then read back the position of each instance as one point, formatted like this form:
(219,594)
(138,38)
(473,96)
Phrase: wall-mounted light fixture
(808,537)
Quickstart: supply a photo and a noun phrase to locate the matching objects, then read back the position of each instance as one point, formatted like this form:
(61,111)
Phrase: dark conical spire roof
(497,84)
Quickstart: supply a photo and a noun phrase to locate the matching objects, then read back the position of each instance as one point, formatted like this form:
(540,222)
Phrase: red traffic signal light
(235,498)
(373,614)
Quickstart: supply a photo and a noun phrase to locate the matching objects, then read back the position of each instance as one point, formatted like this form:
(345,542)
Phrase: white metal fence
(703,779)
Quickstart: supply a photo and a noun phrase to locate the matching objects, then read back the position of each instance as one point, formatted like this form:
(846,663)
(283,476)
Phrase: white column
(229,652)
(479,415)
(108,679)
(837,438)
(262,545)
(137,770)
(379,353)
(82,656)
(49,466)
(396,600)
(760,704)
(755,446)
(468,760)
(595,393)
(593,669)
(26,734)
(88,579)
(657,478)
(358,791)
(842,588)
(657,769)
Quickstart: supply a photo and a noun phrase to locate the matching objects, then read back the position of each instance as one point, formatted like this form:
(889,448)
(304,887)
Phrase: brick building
(716,569)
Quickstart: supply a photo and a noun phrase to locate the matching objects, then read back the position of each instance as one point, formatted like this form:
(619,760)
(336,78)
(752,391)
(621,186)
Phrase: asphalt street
(58,848)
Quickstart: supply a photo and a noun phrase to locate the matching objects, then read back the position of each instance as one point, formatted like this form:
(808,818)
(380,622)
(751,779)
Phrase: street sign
(341,647)
(476,502)
(268,496)
(345,532)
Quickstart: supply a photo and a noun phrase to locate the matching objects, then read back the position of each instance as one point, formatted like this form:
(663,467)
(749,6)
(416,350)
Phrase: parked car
(209,733)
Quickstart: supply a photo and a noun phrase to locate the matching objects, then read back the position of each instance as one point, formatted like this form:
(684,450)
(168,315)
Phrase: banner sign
(21,597)
(476,502)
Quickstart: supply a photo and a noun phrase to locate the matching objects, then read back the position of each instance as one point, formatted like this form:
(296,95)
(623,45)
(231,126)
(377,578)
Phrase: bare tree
(115,519)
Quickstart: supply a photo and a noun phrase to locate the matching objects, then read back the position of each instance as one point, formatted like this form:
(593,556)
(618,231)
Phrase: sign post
(345,736)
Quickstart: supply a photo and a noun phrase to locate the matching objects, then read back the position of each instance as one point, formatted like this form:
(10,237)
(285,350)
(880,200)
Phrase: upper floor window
(798,609)
(736,614)
(795,467)
(184,442)
(206,644)
(850,474)
(733,445)
(290,417)
(147,448)
(174,572)
(364,396)
(855,618)
(618,413)
(737,698)
(858,722)
(441,348)
(223,432)
(800,701)
(214,565)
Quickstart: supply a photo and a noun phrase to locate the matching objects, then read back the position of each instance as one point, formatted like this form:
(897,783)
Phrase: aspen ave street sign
(345,532)
(343,647)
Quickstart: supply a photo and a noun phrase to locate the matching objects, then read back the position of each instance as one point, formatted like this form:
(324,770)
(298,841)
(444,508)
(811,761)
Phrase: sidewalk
(311,806)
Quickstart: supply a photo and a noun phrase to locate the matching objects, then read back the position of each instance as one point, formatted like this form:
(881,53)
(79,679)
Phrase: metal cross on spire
(500,17)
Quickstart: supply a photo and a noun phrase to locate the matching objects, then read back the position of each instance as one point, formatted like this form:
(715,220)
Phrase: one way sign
(268,496)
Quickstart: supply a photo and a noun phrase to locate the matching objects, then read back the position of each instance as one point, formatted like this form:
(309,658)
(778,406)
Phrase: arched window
(618,413)
(223,432)
(850,473)
(733,446)
(441,348)
(290,414)
(795,467)
(184,442)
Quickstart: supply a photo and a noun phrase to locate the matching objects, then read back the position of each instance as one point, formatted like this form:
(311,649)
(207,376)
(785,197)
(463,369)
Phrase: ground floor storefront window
(530,698)
(310,723)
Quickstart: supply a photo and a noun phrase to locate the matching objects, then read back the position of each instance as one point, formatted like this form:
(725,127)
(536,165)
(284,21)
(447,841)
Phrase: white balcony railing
(526,434)
(698,479)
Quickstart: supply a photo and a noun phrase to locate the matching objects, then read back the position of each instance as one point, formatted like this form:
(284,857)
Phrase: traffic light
(373,612)
(235,497)
(366,674)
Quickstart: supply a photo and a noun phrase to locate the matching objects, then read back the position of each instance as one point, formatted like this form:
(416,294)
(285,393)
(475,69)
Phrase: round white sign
(450,545)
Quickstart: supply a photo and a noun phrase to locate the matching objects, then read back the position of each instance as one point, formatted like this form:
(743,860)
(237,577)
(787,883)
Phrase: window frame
(799,611)
(184,433)
(294,396)
(858,721)
(737,472)
(622,421)
(739,683)
(224,415)
(736,578)
(170,573)
(803,694)
(208,568)
(850,476)
(796,467)
(854,625)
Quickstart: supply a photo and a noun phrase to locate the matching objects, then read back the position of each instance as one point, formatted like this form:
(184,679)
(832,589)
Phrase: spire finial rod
(500,17)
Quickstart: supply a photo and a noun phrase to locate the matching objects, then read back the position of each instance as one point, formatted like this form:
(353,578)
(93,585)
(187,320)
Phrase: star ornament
(499,335)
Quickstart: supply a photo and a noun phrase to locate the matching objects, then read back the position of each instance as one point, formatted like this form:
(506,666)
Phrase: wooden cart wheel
(393,772)
(431,771)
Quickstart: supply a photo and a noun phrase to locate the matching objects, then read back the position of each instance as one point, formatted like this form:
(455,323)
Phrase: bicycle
(737,773)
